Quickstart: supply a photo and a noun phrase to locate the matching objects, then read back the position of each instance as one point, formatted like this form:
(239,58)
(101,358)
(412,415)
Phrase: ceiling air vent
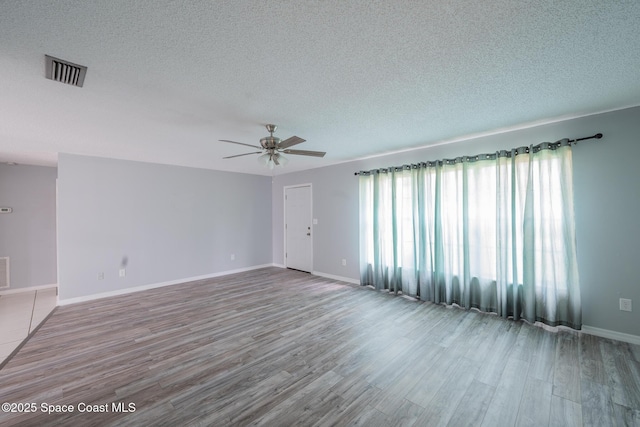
(64,71)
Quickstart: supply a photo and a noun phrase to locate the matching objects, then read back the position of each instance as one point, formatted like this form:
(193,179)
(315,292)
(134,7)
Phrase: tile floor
(20,314)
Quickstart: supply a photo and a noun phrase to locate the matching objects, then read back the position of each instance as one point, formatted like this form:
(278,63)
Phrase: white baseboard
(326,275)
(605,333)
(156,285)
(29,289)
(334,277)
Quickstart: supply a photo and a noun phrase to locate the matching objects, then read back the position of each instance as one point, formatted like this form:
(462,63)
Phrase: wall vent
(4,272)
(64,71)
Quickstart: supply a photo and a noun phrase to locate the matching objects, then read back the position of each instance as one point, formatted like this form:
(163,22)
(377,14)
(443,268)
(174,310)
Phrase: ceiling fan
(272,148)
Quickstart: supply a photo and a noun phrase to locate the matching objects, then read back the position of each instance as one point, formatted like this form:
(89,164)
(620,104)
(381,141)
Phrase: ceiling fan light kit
(272,160)
(272,148)
(264,159)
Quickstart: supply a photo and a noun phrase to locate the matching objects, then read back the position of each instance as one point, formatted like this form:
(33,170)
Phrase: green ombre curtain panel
(494,232)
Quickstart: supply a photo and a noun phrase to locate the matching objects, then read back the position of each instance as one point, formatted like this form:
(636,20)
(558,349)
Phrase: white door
(297,226)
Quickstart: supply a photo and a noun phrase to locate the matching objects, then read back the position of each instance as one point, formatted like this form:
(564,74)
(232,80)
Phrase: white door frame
(284,225)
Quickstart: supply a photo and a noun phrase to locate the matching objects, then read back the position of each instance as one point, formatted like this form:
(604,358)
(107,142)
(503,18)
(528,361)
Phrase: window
(476,233)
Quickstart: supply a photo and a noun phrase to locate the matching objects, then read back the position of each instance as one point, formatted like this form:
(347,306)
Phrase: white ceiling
(166,79)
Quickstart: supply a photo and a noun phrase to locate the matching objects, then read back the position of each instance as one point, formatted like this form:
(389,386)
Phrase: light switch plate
(625,304)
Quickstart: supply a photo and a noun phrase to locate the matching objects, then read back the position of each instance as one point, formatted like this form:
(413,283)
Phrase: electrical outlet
(344,262)
(625,304)
(100,276)
(123,272)
(233,257)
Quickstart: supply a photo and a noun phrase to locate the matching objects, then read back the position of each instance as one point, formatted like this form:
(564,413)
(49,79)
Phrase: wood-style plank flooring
(278,347)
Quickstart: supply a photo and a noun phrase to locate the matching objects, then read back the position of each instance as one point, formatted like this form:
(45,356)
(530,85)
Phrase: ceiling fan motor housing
(270,142)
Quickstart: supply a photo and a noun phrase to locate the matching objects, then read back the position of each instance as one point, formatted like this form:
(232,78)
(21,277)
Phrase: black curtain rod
(596,136)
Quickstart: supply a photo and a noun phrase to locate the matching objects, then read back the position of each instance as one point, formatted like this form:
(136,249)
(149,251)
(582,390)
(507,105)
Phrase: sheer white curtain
(494,232)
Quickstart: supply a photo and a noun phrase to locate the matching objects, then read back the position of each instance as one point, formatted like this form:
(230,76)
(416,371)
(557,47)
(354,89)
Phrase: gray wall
(607,204)
(170,222)
(28,235)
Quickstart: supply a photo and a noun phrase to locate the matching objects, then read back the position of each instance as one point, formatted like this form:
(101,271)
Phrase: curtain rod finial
(598,135)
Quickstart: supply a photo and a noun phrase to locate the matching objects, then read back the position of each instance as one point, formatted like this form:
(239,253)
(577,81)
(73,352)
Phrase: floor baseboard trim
(606,333)
(334,277)
(157,285)
(29,289)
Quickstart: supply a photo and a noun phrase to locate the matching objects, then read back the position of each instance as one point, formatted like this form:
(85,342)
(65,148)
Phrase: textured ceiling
(167,79)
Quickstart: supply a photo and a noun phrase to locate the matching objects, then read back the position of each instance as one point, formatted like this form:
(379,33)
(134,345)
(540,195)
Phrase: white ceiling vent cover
(4,272)
(64,71)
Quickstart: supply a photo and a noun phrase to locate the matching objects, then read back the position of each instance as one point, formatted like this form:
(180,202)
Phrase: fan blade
(305,153)
(241,143)
(289,142)
(245,154)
